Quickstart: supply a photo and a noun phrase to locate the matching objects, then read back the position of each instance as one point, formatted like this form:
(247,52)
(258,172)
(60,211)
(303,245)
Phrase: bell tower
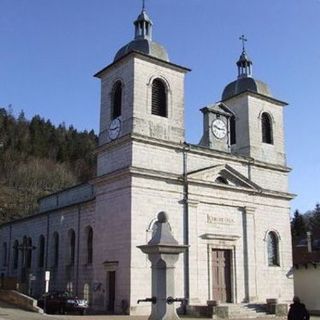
(258,116)
(142,95)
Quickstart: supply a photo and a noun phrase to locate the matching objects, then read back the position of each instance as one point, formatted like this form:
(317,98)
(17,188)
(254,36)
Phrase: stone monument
(163,251)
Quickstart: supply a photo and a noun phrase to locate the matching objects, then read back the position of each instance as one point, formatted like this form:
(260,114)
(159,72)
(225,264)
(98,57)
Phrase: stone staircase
(260,311)
(241,311)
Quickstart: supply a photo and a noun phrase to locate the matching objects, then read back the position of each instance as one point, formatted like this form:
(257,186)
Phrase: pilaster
(249,254)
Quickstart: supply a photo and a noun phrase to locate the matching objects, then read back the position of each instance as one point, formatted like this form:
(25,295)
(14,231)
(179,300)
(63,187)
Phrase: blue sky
(49,51)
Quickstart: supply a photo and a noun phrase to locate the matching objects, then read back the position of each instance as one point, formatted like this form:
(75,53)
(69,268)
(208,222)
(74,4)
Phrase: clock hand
(219,128)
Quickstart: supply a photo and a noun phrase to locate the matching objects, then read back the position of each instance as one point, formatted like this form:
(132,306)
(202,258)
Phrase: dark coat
(298,311)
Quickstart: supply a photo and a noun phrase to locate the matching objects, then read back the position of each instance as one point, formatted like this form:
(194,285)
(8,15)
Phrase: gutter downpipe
(47,241)
(186,148)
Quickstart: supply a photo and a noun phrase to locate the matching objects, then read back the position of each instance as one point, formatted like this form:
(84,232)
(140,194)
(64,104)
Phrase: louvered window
(273,249)
(159,98)
(266,128)
(116,100)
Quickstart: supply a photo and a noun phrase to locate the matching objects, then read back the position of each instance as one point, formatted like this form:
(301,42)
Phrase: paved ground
(8,312)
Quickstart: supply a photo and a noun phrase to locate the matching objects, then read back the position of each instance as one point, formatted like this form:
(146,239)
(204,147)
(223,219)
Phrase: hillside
(37,158)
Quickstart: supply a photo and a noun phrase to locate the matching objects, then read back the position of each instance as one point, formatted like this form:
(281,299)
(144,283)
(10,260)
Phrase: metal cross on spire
(143,5)
(243,39)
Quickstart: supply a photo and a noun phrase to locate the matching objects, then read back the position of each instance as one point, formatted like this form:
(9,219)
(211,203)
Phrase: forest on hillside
(309,221)
(38,158)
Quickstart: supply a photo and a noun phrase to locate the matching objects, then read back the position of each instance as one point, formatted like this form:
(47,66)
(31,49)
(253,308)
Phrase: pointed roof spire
(244,63)
(143,25)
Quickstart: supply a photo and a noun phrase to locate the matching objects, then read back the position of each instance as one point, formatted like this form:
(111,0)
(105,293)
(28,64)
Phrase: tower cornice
(144,57)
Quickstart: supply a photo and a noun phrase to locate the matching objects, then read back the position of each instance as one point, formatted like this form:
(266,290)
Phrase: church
(227,197)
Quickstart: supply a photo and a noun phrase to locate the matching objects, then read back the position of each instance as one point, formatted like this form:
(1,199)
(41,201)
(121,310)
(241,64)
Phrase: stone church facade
(227,197)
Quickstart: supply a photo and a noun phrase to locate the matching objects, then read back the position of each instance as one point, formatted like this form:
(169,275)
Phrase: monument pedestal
(163,252)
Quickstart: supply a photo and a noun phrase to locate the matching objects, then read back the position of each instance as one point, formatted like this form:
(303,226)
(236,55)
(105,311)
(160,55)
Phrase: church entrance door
(221,275)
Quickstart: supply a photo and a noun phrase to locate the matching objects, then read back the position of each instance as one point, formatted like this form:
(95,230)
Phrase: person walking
(298,310)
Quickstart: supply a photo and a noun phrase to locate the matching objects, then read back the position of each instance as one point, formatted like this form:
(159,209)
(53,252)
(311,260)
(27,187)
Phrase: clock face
(114,129)
(219,128)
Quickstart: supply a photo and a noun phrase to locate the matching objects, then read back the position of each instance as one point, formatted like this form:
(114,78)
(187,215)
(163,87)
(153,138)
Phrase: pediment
(219,108)
(223,175)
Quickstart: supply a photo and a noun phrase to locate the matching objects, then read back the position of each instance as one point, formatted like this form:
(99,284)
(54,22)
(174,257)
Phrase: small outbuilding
(306,260)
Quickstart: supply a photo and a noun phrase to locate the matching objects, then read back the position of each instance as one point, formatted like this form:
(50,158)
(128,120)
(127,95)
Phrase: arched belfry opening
(116,100)
(266,126)
(159,98)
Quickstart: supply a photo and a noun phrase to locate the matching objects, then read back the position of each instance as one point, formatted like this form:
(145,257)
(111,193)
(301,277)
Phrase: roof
(143,40)
(301,255)
(245,84)
(145,46)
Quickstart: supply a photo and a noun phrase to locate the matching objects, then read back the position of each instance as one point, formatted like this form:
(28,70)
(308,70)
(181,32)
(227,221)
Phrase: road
(9,312)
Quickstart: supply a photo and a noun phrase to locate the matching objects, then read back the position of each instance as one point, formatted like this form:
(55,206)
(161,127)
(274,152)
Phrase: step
(242,311)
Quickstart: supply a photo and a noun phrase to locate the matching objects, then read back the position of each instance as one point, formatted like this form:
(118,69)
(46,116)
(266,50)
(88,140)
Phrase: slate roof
(245,84)
(145,46)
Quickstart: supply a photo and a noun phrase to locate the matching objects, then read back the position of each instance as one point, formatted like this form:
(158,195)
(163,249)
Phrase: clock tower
(217,127)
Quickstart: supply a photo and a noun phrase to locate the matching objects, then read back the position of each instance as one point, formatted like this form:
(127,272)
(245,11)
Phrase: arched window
(86,292)
(116,100)
(89,234)
(266,126)
(159,98)
(72,246)
(15,254)
(55,256)
(41,247)
(4,253)
(29,253)
(70,287)
(273,249)
(233,130)
(221,180)
(24,255)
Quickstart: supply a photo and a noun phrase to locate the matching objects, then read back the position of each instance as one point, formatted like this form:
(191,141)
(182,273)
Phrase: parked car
(62,302)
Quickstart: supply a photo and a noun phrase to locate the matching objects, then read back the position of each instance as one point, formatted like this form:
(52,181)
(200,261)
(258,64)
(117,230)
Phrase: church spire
(244,63)
(143,25)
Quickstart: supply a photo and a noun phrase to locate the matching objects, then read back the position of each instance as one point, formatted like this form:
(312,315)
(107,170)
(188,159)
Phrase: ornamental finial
(244,63)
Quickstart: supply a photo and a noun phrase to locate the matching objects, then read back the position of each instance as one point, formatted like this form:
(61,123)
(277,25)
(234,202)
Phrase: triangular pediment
(222,175)
(219,108)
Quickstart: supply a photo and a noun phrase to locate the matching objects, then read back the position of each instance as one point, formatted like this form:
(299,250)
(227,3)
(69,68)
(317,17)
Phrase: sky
(49,51)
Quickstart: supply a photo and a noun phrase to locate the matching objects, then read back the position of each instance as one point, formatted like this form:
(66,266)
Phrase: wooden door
(112,290)
(221,275)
